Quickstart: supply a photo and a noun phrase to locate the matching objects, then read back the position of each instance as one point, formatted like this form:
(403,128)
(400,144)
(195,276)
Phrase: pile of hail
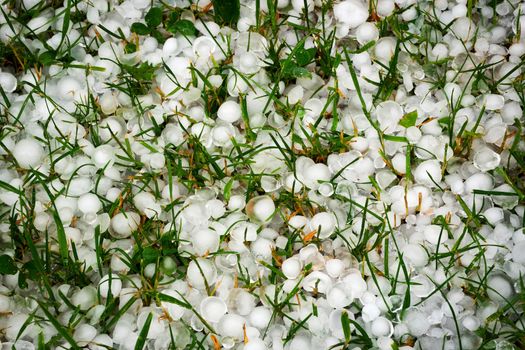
(262,174)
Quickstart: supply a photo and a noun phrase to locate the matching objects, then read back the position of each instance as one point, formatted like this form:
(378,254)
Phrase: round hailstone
(103,156)
(351,12)
(213,308)
(248,63)
(415,254)
(123,224)
(85,298)
(201,272)
(366,32)
(337,297)
(382,327)
(8,82)
(5,304)
(204,46)
(110,283)
(205,241)
(479,181)
(292,268)
(84,334)
(434,234)
(499,287)
(315,174)
(229,111)
(334,267)
(260,209)
(471,323)
(175,311)
(486,159)
(231,325)
(89,203)
(494,102)
(417,322)
(421,286)
(28,153)
(260,317)
(428,173)
(518,252)
(318,282)
(255,344)
(324,223)
(389,113)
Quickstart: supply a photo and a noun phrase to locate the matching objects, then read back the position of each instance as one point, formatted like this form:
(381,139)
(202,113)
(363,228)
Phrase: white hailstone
(355,284)
(317,281)
(337,297)
(494,215)
(5,304)
(315,174)
(499,287)
(110,283)
(324,223)
(103,156)
(417,322)
(201,272)
(85,298)
(89,203)
(421,286)
(385,8)
(434,234)
(382,327)
(518,252)
(108,103)
(351,12)
(486,159)
(334,267)
(146,203)
(297,222)
(8,82)
(28,153)
(156,328)
(292,268)
(479,181)
(255,344)
(244,302)
(415,254)
(205,241)
(213,308)
(232,325)
(123,224)
(370,312)
(385,48)
(428,173)
(69,88)
(101,342)
(260,209)
(204,46)
(109,128)
(84,334)
(236,202)
(229,111)
(248,63)
(175,311)
(292,184)
(13,326)
(471,323)
(494,102)
(389,113)
(170,47)
(150,270)
(260,317)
